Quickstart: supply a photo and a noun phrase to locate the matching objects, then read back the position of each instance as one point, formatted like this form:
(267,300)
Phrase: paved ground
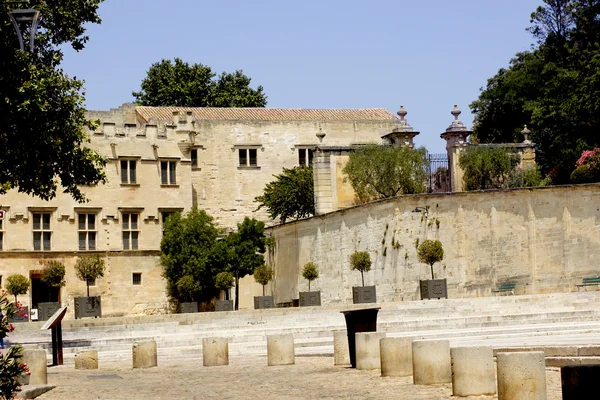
(245,378)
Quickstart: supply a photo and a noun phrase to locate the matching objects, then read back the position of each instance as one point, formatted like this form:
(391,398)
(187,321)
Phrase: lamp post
(29,17)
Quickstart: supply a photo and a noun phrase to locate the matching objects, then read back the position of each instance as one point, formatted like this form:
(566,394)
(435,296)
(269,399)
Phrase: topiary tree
(188,288)
(53,274)
(16,285)
(361,261)
(224,281)
(310,272)
(263,275)
(89,268)
(430,252)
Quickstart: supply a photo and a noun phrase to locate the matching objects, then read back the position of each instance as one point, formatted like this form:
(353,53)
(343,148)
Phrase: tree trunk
(432,271)
(237,292)
(226,294)
(362,275)
(88,288)
(309,286)
(263,290)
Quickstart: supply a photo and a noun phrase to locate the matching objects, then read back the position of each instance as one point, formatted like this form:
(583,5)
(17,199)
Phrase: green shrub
(188,288)
(263,275)
(16,285)
(583,174)
(310,272)
(224,281)
(361,261)
(430,252)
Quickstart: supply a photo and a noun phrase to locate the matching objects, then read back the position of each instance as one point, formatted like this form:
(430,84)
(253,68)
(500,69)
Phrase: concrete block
(215,352)
(367,350)
(521,375)
(473,371)
(396,356)
(38,365)
(431,362)
(341,352)
(86,359)
(280,350)
(144,354)
(588,351)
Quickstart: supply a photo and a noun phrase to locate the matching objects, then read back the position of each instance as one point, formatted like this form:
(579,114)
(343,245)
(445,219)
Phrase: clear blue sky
(425,55)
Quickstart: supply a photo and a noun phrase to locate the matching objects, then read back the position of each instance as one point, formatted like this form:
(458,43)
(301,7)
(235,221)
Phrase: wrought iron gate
(438,174)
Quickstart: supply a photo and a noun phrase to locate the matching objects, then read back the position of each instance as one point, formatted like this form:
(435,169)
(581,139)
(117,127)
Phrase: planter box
(19,317)
(188,307)
(309,299)
(434,289)
(46,310)
(364,294)
(263,302)
(88,307)
(224,305)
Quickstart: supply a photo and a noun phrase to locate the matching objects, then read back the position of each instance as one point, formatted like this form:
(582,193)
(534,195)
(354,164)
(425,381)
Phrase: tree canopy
(290,195)
(380,171)
(430,252)
(42,115)
(553,88)
(180,84)
(361,261)
(89,268)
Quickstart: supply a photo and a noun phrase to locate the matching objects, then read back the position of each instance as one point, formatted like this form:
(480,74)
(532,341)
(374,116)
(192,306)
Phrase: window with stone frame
(168,172)
(136,278)
(248,157)
(131,233)
(194,158)
(42,232)
(87,231)
(305,157)
(128,171)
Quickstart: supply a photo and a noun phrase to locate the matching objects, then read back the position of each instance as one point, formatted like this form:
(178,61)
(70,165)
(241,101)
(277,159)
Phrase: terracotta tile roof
(268,114)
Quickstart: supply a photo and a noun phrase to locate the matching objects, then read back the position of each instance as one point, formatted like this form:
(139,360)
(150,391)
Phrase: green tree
(380,171)
(191,256)
(42,115)
(310,272)
(487,167)
(183,85)
(53,274)
(291,195)
(16,285)
(263,275)
(89,268)
(245,251)
(361,261)
(430,252)
(225,281)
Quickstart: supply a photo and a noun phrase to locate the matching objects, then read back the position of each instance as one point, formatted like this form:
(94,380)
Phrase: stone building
(160,161)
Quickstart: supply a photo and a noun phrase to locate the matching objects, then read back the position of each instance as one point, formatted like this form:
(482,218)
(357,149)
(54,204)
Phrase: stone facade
(544,240)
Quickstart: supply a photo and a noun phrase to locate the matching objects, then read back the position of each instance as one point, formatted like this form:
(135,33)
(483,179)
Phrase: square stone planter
(188,307)
(434,289)
(364,294)
(46,310)
(19,317)
(88,307)
(310,299)
(224,305)
(263,302)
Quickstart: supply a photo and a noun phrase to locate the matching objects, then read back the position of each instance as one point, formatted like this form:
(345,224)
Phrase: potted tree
(16,285)
(188,290)
(53,275)
(361,261)
(310,272)
(430,252)
(89,268)
(224,281)
(263,275)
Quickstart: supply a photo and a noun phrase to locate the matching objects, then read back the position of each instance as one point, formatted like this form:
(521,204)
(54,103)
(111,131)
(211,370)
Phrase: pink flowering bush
(587,167)
(11,367)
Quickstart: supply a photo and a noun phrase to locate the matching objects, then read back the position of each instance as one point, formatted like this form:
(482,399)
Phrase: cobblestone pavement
(244,378)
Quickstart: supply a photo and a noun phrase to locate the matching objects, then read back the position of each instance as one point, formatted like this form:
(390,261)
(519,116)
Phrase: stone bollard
(144,354)
(431,362)
(280,350)
(396,356)
(367,350)
(215,352)
(86,359)
(521,375)
(473,371)
(38,365)
(341,352)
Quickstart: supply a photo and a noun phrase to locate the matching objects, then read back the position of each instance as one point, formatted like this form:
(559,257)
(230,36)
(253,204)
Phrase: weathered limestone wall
(543,239)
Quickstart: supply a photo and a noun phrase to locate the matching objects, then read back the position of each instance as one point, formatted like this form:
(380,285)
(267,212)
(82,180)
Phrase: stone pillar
(215,352)
(38,365)
(86,359)
(402,135)
(341,352)
(280,350)
(144,354)
(456,142)
(323,181)
(521,375)
(367,350)
(473,371)
(396,357)
(431,362)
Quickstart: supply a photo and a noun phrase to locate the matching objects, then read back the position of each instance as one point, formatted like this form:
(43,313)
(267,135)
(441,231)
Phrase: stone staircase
(561,318)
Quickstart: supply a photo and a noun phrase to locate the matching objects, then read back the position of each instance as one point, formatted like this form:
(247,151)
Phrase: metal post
(57,345)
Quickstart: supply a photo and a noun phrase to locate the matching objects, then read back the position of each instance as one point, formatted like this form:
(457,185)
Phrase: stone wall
(543,239)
